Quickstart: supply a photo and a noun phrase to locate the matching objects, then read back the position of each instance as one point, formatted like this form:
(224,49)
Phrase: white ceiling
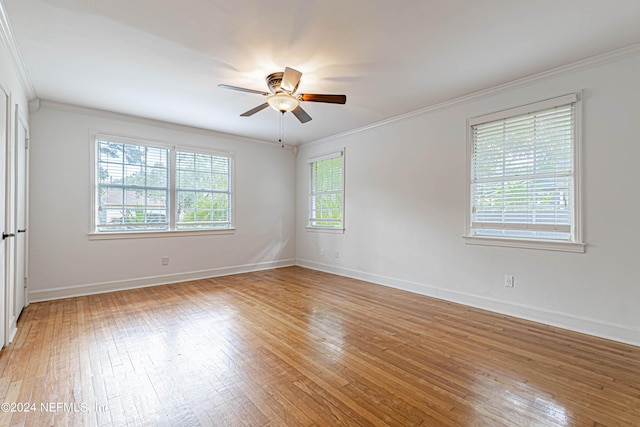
(163,59)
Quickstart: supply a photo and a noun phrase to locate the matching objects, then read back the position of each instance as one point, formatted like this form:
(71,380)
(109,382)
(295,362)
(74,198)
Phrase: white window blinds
(326,191)
(143,186)
(133,187)
(203,191)
(522,174)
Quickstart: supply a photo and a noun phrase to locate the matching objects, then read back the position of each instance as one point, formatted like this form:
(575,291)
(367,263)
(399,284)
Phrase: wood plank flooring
(296,347)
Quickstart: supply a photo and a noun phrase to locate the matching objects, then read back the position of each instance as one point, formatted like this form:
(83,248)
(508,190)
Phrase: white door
(4,111)
(21,215)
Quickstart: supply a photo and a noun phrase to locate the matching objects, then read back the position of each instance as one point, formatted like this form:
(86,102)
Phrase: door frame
(5,266)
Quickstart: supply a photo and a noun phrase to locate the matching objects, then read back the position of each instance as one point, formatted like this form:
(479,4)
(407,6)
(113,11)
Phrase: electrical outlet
(508,280)
(165,260)
(336,254)
(321,251)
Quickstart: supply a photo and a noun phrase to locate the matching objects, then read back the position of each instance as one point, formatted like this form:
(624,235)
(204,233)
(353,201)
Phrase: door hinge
(26,143)
(26,282)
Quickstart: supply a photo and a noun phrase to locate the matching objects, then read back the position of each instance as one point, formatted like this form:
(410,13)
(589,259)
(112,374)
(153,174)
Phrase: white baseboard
(415,287)
(13,330)
(562,320)
(141,282)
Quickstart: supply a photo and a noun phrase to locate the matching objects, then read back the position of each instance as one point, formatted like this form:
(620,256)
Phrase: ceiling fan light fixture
(283,102)
(282,95)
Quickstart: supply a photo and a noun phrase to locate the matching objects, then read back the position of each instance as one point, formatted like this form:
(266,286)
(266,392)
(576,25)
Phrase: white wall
(405,209)
(64,262)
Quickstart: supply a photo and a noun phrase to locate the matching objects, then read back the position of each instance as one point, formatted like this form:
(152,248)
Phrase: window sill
(325,230)
(548,245)
(154,234)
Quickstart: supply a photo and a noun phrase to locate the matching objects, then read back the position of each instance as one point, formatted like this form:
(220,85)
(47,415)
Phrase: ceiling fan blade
(254,110)
(290,79)
(332,99)
(301,114)
(242,89)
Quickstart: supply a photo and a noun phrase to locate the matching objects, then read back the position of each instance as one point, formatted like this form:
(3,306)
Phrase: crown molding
(34,105)
(79,109)
(593,61)
(9,41)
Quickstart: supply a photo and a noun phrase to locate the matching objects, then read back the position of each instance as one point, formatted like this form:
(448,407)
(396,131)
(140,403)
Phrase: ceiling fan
(282,95)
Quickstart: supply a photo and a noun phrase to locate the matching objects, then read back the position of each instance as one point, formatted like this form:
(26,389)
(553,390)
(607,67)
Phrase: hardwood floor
(293,347)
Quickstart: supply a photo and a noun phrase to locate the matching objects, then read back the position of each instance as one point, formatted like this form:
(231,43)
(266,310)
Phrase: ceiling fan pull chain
(281,140)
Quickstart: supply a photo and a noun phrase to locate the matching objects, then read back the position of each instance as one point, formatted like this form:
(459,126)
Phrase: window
(523,176)
(145,187)
(326,192)
(203,191)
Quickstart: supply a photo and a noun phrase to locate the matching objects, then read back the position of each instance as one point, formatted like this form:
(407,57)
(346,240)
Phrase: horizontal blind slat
(521,226)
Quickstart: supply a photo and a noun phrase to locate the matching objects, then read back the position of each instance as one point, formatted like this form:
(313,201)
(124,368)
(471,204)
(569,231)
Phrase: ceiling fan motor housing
(274,80)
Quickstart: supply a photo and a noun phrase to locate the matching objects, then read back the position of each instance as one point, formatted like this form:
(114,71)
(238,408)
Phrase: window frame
(575,243)
(321,228)
(171,186)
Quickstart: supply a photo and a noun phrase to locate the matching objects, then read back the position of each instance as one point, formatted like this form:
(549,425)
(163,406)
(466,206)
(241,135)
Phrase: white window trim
(172,147)
(323,229)
(117,235)
(577,245)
